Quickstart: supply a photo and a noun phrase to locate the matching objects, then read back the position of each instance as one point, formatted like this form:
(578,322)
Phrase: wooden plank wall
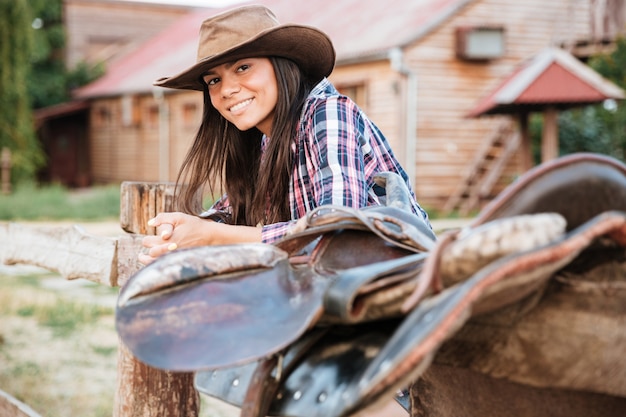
(124,149)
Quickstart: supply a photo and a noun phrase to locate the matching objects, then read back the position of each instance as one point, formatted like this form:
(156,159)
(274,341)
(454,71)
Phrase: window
(357,92)
(102,116)
(479,43)
(152,121)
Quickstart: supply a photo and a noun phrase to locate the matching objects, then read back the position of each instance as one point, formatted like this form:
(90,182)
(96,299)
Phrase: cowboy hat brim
(308,47)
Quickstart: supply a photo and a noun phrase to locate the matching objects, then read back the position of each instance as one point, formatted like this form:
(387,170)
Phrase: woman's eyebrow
(227,65)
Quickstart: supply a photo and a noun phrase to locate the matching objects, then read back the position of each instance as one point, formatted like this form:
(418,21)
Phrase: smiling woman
(276,136)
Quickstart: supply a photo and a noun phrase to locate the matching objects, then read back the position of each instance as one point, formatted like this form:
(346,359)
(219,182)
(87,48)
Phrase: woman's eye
(212,81)
(243,67)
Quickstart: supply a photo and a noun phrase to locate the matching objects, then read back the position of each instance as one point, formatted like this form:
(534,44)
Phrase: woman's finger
(151,240)
(147,256)
(160,250)
(145,259)
(165,217)
(165,230)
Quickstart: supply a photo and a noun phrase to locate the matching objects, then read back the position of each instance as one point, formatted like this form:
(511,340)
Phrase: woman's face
(245,92)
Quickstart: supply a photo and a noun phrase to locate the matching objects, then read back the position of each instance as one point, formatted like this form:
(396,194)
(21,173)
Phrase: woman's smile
(241,105)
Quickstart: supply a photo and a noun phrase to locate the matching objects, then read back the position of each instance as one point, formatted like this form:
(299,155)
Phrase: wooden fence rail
(141,391)
(12,407)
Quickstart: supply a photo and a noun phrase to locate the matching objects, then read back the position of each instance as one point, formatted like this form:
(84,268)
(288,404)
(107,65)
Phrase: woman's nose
(229,87)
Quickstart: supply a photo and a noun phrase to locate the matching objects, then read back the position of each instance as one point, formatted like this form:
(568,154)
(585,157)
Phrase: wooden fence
(141,391)
(5,171)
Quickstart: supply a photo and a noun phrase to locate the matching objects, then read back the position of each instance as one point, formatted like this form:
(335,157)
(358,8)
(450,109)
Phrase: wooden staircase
(485,169)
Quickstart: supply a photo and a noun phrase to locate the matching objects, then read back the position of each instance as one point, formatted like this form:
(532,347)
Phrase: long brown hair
(224,158)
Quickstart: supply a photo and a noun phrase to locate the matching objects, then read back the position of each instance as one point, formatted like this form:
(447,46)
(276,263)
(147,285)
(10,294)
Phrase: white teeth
(241,105)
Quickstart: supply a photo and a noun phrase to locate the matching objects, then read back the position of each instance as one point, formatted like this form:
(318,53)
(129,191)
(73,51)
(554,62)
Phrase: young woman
(276,136)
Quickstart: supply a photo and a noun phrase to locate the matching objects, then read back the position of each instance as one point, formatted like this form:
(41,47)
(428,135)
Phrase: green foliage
(16,123)
(613,65)
(32,75)
(50,81)
(83,74)
(54,202)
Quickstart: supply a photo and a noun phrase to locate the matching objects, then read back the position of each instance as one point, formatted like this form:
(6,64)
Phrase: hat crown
(254,31)
(233,28)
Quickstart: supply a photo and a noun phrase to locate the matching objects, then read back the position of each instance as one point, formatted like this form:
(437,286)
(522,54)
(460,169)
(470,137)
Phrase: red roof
(162,54)
(551,78)
(358,29)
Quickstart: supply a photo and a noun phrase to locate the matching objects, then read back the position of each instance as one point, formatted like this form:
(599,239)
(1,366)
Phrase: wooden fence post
(144,391)
(5,168)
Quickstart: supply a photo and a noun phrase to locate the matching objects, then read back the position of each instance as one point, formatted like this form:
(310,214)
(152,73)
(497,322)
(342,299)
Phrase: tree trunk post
(5,175)
(144,391)
(526,153)
(550,139)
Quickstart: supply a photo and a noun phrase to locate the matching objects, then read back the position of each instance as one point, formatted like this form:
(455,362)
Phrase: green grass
(64,317)
(54,202)
(33,280)
(104,350)
(26,311)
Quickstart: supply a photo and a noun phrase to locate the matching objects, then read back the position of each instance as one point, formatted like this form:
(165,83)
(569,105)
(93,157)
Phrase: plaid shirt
(337,152)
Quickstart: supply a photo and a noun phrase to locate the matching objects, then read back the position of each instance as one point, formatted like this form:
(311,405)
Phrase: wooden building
(417,67)
(98,31)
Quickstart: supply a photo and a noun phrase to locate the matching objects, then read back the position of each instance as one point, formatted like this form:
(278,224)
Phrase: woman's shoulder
(325,96)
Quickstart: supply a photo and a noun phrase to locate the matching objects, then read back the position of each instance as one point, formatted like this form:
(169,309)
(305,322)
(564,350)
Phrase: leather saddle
(529,297)
(218,306)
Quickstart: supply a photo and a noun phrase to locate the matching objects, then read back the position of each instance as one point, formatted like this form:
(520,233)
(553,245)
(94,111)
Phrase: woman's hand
(180,230)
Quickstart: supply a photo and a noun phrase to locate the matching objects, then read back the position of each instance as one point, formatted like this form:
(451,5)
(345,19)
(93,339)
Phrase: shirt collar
(322,89)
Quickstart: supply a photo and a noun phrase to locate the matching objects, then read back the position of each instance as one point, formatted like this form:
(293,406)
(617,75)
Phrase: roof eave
(60,110)
(363,58)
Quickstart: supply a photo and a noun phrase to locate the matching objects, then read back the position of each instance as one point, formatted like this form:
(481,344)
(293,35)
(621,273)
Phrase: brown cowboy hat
(254,31)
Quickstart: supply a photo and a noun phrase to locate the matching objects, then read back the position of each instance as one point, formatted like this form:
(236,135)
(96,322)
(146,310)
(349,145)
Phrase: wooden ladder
(485,169)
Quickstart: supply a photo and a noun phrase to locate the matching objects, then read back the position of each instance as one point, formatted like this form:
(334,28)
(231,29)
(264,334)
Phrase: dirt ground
(56,374)
(74,374)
